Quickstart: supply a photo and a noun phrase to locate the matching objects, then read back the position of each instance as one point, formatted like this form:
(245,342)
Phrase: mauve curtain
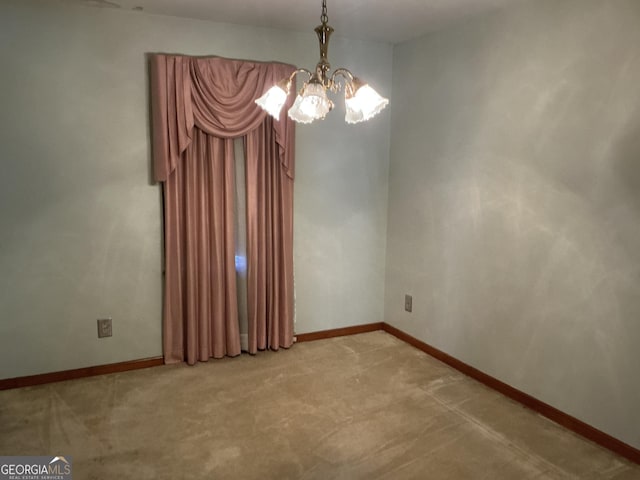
(198,106)
(270,243)
(200,283)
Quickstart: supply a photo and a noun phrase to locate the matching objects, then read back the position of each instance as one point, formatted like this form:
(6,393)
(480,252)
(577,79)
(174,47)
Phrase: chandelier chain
(324,18)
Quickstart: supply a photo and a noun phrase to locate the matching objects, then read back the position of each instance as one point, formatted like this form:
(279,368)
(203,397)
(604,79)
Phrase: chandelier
(361,101)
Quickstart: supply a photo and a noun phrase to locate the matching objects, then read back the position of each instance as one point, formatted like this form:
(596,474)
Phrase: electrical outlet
(104,327)
(408,303)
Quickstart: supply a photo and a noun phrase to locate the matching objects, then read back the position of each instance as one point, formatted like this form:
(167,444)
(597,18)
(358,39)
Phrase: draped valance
(215,95)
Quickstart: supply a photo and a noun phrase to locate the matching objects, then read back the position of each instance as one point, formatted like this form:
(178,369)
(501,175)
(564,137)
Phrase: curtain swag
(217,96)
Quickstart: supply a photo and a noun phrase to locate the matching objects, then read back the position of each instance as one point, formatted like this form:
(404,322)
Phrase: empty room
(320,239)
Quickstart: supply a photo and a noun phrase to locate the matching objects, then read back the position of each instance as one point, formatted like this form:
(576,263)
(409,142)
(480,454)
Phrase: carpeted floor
(361,407)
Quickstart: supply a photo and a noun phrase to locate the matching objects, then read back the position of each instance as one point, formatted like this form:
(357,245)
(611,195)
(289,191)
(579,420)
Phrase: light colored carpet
(361,407)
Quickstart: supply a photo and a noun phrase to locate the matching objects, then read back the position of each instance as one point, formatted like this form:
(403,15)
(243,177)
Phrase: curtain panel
(199,105)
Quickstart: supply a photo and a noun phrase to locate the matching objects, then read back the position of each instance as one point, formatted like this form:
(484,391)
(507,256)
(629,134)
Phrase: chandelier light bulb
(297,114)
(273,100)
(364,104)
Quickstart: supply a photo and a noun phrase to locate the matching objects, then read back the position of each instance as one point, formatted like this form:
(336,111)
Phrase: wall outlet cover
(104,328)
(408,303)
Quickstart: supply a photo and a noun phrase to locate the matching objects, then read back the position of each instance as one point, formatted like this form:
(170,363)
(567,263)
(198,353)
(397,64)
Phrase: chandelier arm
(345,74)
(294,74)
(300,70)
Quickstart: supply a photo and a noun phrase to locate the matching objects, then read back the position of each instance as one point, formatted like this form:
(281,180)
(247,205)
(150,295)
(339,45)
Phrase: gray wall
(514,201)
(514,193)
(80,220)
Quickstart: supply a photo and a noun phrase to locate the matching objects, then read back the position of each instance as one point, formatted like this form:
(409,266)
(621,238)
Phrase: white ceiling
(382,20)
